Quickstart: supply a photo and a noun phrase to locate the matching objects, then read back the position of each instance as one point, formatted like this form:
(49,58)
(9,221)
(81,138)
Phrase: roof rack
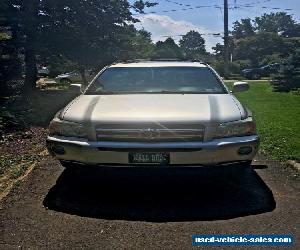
(160,60)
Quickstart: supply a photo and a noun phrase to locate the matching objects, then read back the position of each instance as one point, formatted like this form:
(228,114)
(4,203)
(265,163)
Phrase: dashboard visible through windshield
(131,80)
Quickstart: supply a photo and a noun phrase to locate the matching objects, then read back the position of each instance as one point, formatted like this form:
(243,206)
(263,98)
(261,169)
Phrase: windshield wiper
(169,92)
(179,92)
(101,93)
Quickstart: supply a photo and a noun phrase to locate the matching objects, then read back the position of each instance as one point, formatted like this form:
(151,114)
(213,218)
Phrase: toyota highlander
(155,113)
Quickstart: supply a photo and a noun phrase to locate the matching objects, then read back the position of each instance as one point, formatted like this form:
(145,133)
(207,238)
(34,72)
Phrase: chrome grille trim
(149,134)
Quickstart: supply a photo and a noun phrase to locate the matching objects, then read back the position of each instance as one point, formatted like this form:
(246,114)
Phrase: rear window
(121,80)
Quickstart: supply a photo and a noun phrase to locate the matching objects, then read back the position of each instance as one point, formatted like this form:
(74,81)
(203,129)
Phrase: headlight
(240,128)
(64,128)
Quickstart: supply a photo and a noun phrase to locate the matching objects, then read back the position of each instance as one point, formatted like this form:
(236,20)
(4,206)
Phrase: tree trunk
(83,76)
(30,68)
(30,15)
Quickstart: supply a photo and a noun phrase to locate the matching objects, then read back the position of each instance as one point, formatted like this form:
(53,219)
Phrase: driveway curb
(293,164)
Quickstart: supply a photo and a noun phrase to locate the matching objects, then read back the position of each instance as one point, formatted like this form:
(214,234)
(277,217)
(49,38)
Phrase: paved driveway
(148,208)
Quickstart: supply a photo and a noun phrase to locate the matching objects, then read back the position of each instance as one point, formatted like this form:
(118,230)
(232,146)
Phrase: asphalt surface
(147,208)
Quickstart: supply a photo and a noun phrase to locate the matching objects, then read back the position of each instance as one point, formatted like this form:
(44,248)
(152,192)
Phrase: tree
(30,16)
(219,49)
(193,45)
(137,44)
(288,77)
(10,65)
(87,32)
(90,33)
(256,47)
(167,49)
(279,22)
(140,5)
(243,28)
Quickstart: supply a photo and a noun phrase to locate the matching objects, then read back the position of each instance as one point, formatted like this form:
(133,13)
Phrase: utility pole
(226,38)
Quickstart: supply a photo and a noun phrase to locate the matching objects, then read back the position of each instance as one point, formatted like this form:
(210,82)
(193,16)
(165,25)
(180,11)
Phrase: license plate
(158,158)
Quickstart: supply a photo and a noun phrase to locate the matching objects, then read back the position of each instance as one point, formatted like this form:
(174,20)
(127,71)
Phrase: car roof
(159,64)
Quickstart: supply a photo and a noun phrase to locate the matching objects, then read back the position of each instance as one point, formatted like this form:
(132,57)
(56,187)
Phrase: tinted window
(157,80)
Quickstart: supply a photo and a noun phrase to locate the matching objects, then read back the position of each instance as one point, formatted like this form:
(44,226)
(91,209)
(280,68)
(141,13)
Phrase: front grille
(150,133)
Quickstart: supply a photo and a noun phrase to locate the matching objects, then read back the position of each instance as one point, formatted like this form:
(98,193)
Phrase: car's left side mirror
(240,87)
(76,88)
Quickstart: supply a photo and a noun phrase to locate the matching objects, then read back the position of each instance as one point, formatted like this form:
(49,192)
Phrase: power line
(262,7)
(202,34)
(182,9)
(214,6)
(180,4)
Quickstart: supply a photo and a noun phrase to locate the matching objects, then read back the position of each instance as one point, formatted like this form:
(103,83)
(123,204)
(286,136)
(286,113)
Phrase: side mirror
(76,88)
(240,87)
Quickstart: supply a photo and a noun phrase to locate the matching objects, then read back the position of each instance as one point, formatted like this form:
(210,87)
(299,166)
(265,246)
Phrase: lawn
(277,117)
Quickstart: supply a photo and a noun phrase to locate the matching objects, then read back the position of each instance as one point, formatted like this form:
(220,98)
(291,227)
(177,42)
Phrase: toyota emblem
(150,133)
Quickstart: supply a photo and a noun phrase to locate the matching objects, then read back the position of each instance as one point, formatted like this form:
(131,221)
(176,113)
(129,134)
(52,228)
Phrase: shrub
(288,77)
(233,67)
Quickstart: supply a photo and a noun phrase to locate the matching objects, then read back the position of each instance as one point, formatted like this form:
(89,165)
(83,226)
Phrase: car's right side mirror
(76,88)
(240,87)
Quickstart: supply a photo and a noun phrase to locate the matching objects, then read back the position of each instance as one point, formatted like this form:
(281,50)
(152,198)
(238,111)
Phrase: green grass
(277,118)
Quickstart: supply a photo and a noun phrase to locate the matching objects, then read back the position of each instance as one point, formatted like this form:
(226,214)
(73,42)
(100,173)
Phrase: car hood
(154,107)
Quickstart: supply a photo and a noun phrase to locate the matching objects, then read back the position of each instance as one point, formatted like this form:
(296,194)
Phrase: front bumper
(213,152)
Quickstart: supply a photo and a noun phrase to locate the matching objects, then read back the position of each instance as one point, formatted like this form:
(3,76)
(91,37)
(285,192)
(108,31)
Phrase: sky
(207,19)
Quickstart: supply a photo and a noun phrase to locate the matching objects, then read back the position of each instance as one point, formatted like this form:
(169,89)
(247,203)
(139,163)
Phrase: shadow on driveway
(160,194)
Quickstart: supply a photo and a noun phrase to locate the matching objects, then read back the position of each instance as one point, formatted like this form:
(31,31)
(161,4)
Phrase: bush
(269,59)
(10,67)
(233,68)
(9,121)
(288,77)
(59,65)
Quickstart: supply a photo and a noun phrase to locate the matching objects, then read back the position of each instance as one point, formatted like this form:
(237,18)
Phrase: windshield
(122,80)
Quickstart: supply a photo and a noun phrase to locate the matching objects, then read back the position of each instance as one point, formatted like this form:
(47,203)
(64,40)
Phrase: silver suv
(155,113)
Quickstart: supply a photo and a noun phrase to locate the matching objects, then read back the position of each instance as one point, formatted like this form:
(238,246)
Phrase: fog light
(245,150)
(59,150)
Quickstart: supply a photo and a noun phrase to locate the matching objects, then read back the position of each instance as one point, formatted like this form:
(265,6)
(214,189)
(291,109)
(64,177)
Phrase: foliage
(167,49)
(71,27)
(280,23)
(269,59)
(140,5)
(59,65)
(68,28)
(136,44)
(10,65)
(219,66)
(288,77)
(219,48)
(193,45)
(267,39)
(243,28)
(10,121)
(258,46)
